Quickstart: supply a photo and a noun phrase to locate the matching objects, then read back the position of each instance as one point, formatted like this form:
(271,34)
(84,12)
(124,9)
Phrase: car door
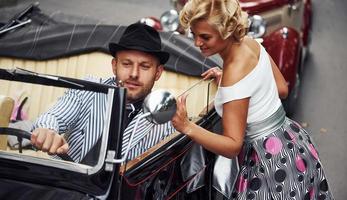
(35,175)
(175,168)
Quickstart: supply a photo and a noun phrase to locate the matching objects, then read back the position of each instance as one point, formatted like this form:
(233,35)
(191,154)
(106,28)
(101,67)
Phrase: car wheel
(306,51)
(290,102)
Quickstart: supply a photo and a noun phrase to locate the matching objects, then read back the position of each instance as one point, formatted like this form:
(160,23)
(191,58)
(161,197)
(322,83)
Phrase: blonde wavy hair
(225,15)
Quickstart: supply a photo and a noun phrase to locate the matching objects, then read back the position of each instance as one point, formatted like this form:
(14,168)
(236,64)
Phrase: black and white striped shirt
(81,116)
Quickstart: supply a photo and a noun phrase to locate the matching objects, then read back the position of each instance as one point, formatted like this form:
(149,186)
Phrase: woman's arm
(281,83)
(234,124)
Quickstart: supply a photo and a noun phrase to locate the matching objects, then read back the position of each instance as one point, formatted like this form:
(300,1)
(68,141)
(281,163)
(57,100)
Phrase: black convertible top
(33,35)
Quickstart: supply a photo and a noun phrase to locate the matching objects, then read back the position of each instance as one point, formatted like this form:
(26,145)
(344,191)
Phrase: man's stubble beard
(131,97)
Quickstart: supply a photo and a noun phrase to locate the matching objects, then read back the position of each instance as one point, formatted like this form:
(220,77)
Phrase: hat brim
(161,55)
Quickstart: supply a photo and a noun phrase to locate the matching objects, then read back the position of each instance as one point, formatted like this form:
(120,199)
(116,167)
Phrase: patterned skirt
(282,165)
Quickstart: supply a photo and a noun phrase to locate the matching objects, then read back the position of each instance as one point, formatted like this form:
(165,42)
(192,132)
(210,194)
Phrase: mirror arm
(208,97)
(121,160)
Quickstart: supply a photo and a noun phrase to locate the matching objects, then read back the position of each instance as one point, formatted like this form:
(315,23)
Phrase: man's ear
(114,65)
(160,70)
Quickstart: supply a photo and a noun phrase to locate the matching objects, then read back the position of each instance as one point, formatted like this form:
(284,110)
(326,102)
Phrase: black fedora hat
(140,37)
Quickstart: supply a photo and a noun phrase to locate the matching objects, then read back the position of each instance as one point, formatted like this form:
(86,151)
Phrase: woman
(277,157)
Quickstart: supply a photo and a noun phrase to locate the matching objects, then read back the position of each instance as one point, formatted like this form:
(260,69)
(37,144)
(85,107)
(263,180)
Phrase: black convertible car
(41,57)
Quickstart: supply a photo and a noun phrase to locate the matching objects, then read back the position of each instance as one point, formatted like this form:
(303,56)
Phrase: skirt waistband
(257,130)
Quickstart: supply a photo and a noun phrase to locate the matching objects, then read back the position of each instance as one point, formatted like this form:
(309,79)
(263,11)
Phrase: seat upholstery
(92,64)
(97,64)
(6,107)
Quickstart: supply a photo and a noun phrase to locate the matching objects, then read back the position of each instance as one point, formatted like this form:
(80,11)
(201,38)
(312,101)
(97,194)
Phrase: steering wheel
(27,135)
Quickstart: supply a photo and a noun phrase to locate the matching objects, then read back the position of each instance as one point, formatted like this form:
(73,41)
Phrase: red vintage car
(283,26)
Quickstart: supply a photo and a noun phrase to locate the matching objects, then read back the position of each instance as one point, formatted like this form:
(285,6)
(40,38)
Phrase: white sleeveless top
(259,85)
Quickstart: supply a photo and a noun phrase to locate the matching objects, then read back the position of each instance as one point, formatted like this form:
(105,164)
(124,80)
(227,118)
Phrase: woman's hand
(214,72)
(180,120)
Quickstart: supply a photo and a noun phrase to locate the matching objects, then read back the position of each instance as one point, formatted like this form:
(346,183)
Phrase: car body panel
(171,179)
(284,47)
(259,6)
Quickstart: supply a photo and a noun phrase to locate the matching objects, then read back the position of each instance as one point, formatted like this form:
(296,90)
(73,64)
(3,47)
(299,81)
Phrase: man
(137,64)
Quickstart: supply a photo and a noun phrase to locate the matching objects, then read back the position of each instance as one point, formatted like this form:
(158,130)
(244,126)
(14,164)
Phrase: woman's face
(207,38)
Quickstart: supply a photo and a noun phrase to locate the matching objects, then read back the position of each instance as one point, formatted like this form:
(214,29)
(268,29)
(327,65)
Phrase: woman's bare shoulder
(244,61)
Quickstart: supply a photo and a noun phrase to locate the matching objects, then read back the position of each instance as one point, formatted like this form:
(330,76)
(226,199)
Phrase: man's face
(138,71)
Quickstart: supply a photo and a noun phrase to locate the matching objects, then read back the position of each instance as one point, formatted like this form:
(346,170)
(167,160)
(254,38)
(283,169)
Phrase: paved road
(322,104)
(323,100)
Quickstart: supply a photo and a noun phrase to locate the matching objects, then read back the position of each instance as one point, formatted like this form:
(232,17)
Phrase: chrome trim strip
(67,165)
(102,154)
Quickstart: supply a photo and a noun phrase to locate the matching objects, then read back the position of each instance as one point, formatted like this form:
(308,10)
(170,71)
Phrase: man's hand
(49,141)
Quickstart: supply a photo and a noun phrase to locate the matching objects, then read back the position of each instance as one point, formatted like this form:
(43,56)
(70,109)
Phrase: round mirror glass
(161,105)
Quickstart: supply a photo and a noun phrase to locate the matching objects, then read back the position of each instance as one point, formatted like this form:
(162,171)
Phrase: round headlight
(169,20)
(257,26)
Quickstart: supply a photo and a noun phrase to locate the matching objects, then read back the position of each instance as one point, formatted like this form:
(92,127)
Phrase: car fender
(284,46)
(260,6)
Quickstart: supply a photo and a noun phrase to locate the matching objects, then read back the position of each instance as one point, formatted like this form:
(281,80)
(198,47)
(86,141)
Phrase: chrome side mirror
(158,107)
(161,105)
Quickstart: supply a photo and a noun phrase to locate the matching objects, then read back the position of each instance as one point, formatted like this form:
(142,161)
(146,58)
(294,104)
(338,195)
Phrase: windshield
(26,107)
